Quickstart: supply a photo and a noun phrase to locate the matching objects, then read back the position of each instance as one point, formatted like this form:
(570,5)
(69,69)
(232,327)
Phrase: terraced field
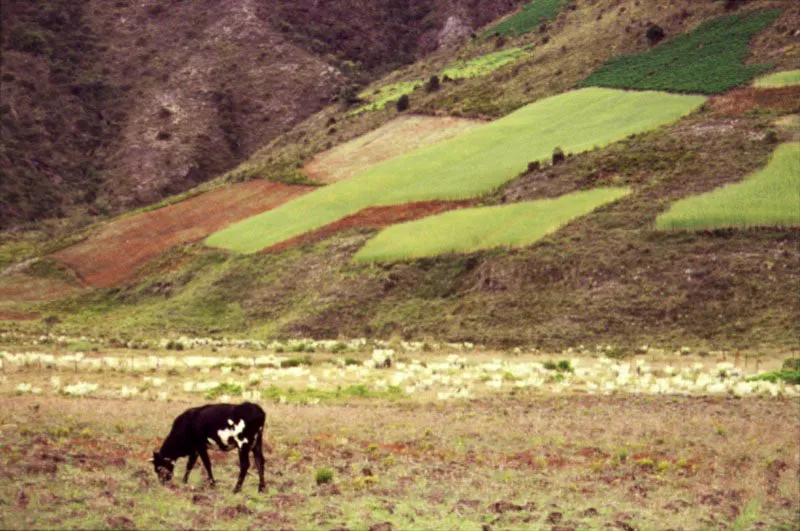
(401,135)
(112,256)
(530,17)
(708,60)
(383,96)
(473,229)
(483,65)
(768,198)
(471,164)
(779,79)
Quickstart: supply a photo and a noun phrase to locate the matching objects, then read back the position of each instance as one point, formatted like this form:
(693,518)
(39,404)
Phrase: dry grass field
(511,459)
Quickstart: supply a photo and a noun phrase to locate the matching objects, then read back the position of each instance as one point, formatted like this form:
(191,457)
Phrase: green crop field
(469,165)
(709,59)
(529,18)
(474,229)
(779,79)
(381,97)
(768,198)
(484,64)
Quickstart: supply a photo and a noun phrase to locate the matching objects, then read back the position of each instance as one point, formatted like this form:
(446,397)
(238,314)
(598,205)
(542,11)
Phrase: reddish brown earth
(373,218)
(17,316)
(112,256)
(740,101)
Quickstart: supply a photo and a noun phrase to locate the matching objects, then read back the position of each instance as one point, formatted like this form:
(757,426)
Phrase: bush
(655,34)
(403,103)
(558,156)
(323,475)
(296,362)
(791,364)
(433,84)
(28,41)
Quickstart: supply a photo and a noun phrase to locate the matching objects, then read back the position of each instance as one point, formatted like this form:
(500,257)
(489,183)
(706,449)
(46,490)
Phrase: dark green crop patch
(708,60)
(529,18)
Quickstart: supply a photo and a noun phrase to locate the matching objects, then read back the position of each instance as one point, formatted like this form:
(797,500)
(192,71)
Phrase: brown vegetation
(740,101)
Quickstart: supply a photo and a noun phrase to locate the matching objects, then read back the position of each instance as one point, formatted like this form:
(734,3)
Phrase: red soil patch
(112,257)
(19,287)
(17,316)
(373,218)
(740,101)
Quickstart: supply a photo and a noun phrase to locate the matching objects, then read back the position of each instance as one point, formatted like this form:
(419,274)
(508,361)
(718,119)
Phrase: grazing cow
(225,425)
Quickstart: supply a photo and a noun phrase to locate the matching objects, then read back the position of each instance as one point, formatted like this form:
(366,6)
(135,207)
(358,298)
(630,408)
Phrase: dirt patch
(19,287)
(397,137)
(17,316)
(740,101)
(112,257)
(373,217)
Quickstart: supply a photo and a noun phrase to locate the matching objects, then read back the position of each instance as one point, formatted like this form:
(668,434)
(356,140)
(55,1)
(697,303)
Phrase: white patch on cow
(233,432)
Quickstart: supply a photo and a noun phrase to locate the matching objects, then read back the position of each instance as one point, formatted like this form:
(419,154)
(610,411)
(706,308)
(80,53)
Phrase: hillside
(603,274)
(109,105)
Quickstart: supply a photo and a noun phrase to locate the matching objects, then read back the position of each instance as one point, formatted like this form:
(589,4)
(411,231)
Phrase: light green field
(474,229)
(381,97)
(768,198)
(471,164)
(484,64)
(779,79)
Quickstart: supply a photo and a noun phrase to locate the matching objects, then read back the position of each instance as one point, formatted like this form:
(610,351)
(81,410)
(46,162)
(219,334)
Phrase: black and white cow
(225,426)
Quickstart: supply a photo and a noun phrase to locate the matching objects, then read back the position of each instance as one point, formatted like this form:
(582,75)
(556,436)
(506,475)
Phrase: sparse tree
(403,103)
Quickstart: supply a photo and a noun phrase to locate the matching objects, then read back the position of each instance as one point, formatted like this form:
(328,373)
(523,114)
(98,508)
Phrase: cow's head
(163,466)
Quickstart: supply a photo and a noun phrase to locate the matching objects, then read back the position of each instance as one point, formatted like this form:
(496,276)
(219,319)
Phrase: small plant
(791,364)
(324,475)
(433,84)
(338,347)
(565,366)
(351,361)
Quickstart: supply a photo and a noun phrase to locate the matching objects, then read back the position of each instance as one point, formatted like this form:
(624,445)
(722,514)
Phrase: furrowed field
(421,436)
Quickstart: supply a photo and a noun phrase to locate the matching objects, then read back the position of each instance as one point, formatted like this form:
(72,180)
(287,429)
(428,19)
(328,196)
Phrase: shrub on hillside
(558,156)
(403,103)
(655,34)
(433,84)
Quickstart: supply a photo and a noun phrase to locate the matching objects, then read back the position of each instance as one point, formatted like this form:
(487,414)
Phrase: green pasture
(483,65)
(471,164)
(779,79)
(768,198)
(474,229)
(529,18)
(708,60)
(383,96)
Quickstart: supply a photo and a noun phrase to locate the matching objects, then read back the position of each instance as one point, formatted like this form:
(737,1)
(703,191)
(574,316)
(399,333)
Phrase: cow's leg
(244,464)
(258,454)
(189,466)
(206,463)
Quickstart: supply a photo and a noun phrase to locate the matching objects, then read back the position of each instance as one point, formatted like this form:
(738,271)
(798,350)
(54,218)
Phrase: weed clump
(654,35)
(296,362)
(324,475)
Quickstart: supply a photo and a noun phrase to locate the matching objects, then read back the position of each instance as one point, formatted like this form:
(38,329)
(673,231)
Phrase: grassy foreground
(473,229)
(472,164)
(779,79)
(516,463)
(710,59)
(768,198)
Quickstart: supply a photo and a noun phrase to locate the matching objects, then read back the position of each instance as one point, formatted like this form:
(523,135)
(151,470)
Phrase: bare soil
(740,101)
(372,218)
(112,256)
